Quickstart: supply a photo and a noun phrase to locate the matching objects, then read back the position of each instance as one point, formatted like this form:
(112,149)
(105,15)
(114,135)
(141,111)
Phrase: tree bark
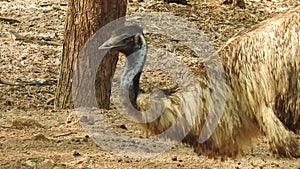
(84,18)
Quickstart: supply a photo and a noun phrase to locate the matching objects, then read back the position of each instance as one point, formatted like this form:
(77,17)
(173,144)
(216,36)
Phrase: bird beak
(113,42)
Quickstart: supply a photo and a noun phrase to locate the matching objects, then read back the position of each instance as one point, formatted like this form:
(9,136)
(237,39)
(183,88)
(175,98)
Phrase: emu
(262,68)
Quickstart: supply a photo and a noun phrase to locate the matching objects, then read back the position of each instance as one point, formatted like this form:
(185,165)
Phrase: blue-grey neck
(131,76)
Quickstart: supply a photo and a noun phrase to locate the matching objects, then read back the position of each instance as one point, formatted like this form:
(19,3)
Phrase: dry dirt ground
(34,135)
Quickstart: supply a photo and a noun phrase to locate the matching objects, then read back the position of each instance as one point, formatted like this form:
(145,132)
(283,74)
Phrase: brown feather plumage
(262,66)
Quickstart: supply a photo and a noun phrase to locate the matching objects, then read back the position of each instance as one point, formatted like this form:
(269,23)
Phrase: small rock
(174,158)
(72,118)
(241,4)
(86,138)
(76,153)
(122,126)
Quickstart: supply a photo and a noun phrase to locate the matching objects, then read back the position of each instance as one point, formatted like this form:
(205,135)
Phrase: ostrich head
(130,41)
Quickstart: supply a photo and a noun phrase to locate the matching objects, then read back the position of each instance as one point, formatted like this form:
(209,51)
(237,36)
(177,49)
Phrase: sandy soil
(34,135)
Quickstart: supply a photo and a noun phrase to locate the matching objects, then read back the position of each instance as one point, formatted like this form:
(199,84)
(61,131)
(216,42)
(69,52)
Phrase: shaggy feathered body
(262,66)
(262,69)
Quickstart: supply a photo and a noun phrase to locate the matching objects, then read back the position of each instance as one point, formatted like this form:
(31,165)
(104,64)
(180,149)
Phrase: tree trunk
(84,18)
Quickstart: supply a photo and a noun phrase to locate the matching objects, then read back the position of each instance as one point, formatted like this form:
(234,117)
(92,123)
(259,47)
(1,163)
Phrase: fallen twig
(35,82)
(46,4)
(5,127)
(63,134)
(50,100)
(10,20)
(2,81)
(31,39)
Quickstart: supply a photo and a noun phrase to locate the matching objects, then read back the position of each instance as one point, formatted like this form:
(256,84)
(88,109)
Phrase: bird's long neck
(131,76)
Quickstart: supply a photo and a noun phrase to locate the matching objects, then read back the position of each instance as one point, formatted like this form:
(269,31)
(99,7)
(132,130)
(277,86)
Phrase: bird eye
(137,40)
